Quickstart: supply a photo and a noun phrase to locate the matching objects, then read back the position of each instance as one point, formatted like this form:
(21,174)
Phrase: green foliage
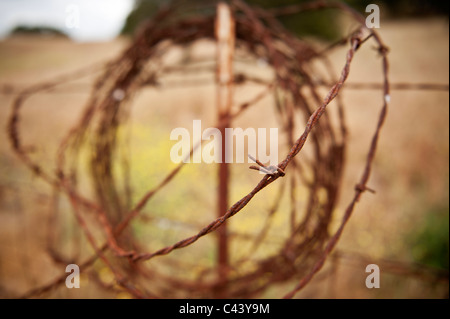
(322,24)
(144,9)
(430,242)
(414,8)
(39,30)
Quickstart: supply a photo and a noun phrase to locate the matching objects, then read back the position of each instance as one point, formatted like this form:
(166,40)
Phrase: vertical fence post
(225,49)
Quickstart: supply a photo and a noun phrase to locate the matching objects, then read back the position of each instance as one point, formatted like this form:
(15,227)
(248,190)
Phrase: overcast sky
(82,20)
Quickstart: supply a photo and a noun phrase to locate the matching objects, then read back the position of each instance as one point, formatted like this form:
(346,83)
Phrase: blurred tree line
(40,30)
(321,24)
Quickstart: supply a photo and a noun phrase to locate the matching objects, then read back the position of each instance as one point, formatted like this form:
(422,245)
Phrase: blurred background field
(404,227)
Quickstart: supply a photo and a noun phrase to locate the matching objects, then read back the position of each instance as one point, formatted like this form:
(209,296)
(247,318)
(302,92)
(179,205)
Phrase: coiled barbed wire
(305,250)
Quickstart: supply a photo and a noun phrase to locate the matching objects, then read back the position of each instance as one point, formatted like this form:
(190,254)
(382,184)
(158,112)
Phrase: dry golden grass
(410,174)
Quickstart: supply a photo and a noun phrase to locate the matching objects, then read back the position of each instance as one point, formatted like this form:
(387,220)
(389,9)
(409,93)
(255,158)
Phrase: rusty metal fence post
(224,31)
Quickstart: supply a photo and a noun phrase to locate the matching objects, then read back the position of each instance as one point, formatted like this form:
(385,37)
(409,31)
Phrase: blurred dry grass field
(410,173)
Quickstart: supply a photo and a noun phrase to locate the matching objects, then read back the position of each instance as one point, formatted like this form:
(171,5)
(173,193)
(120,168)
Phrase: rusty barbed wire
(304,251)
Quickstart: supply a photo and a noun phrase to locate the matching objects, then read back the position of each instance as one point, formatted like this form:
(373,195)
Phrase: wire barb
(270,170)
